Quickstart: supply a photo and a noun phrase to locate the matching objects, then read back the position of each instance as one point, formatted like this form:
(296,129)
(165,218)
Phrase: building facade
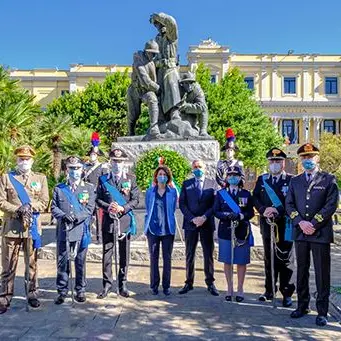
(301,93)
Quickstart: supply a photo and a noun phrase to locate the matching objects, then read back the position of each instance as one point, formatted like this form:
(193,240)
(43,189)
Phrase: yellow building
(300,92)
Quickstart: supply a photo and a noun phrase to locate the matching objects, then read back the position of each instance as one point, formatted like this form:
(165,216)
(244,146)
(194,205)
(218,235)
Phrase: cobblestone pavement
(194,316)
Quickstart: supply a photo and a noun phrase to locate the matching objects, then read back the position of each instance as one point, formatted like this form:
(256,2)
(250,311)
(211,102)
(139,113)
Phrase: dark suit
(59,208)
(92,175)
(316,202)
(103,200)
(195,202)
(284,260)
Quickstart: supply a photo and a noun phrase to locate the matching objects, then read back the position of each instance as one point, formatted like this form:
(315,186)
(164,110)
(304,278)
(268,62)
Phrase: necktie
(308,177)
(199,184)
(274,180)
(117,179)
(234,193)
(73,188)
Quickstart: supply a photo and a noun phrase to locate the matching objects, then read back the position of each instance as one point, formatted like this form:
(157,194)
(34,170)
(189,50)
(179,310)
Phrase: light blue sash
(118,197)
(277,203)
(86,238)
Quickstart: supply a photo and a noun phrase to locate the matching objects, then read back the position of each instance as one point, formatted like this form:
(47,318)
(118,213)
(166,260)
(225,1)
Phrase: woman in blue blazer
(233,205)
(160,227)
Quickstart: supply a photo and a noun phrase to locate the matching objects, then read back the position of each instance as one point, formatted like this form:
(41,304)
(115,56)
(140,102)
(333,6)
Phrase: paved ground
(195,316)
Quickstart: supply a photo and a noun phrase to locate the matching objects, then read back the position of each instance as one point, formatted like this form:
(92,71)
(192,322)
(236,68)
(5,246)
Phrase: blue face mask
(75,174)
(233,180)
(162,179)
(309,164)
(198,172)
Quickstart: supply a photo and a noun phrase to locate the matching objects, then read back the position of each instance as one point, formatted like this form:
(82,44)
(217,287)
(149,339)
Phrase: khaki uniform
(13,234)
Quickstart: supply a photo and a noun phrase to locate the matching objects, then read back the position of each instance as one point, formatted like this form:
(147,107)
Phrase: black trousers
(284,266)
(107,260)
(321,258)
(63,268)
(207,244)
(154,251)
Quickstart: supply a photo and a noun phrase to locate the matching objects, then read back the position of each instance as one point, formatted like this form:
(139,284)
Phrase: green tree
(232,104)
(101,107)
(17,114)
(330,157)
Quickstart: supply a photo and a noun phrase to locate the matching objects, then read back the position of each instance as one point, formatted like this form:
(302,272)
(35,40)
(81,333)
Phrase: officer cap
(276,154)
(151,46)
(118,154)
(95,150)
(24,151)
(73,161)
(188,77)
(308,149)
(234,170)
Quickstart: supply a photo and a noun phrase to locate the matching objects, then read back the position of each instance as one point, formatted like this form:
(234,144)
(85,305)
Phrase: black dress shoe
(80,297)
(228,298)
(167,291)
(34,302)
(267,296)
(155,291)
(186,289)
(60,299)
(287,302)
(321,321)
(239,299)
(213,290)
(104,293)
(296,314)
(3,309)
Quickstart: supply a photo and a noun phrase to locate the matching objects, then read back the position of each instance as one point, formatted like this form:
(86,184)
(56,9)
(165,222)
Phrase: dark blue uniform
(128,188)
(60,207)
(315,201)
(284,259)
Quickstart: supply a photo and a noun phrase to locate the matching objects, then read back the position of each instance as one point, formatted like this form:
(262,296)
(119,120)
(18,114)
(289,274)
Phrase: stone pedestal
(206,150)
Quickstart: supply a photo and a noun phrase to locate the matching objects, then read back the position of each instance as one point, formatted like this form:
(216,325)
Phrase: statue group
(177,107)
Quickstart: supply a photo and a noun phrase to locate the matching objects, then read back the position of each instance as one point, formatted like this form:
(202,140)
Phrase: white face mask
(117,167)
(93,157)
(24,165)
(275,168)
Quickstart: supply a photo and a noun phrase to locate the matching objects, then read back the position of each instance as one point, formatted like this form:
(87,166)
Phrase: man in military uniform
(92,171)
(230,148)
(269,199)
(72,205)
(23,195)
(144,88)
(193,108)
(117,195)
(311,201)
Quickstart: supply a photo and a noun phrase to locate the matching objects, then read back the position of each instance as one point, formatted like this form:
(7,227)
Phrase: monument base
(204,149)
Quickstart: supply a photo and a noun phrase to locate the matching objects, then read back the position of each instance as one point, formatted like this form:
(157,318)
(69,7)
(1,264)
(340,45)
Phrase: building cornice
(301,104)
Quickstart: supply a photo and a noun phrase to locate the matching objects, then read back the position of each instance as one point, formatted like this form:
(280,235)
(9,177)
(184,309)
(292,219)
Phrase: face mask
(233,180)
(198,172)
(162,179)
(230,154)
(308,164)
(24,165)
(117,168)
(93,157)
(275,168)
(75,174)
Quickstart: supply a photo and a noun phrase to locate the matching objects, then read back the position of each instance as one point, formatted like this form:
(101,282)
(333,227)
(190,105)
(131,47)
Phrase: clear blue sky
(56,33)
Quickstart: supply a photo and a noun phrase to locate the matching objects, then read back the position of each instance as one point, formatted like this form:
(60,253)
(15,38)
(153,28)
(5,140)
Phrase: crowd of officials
(297,209)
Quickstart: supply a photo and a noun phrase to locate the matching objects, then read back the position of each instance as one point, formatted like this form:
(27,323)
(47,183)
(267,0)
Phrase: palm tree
(52,130)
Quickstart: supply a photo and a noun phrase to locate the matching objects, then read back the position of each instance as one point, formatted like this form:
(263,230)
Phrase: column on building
(306,123)
(73,85)
(316,83)
(274,84)
(275,122)
(317,128)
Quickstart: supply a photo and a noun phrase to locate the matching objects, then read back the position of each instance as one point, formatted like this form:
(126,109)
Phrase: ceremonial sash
(236,209)
(277,203)
(25,199)
(118,197)
(86,238)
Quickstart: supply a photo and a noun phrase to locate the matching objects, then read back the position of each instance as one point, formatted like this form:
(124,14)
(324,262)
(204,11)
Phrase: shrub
(148,162)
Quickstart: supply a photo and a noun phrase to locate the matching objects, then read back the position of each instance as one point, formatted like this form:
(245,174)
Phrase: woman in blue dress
(233,206)
(160,227)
